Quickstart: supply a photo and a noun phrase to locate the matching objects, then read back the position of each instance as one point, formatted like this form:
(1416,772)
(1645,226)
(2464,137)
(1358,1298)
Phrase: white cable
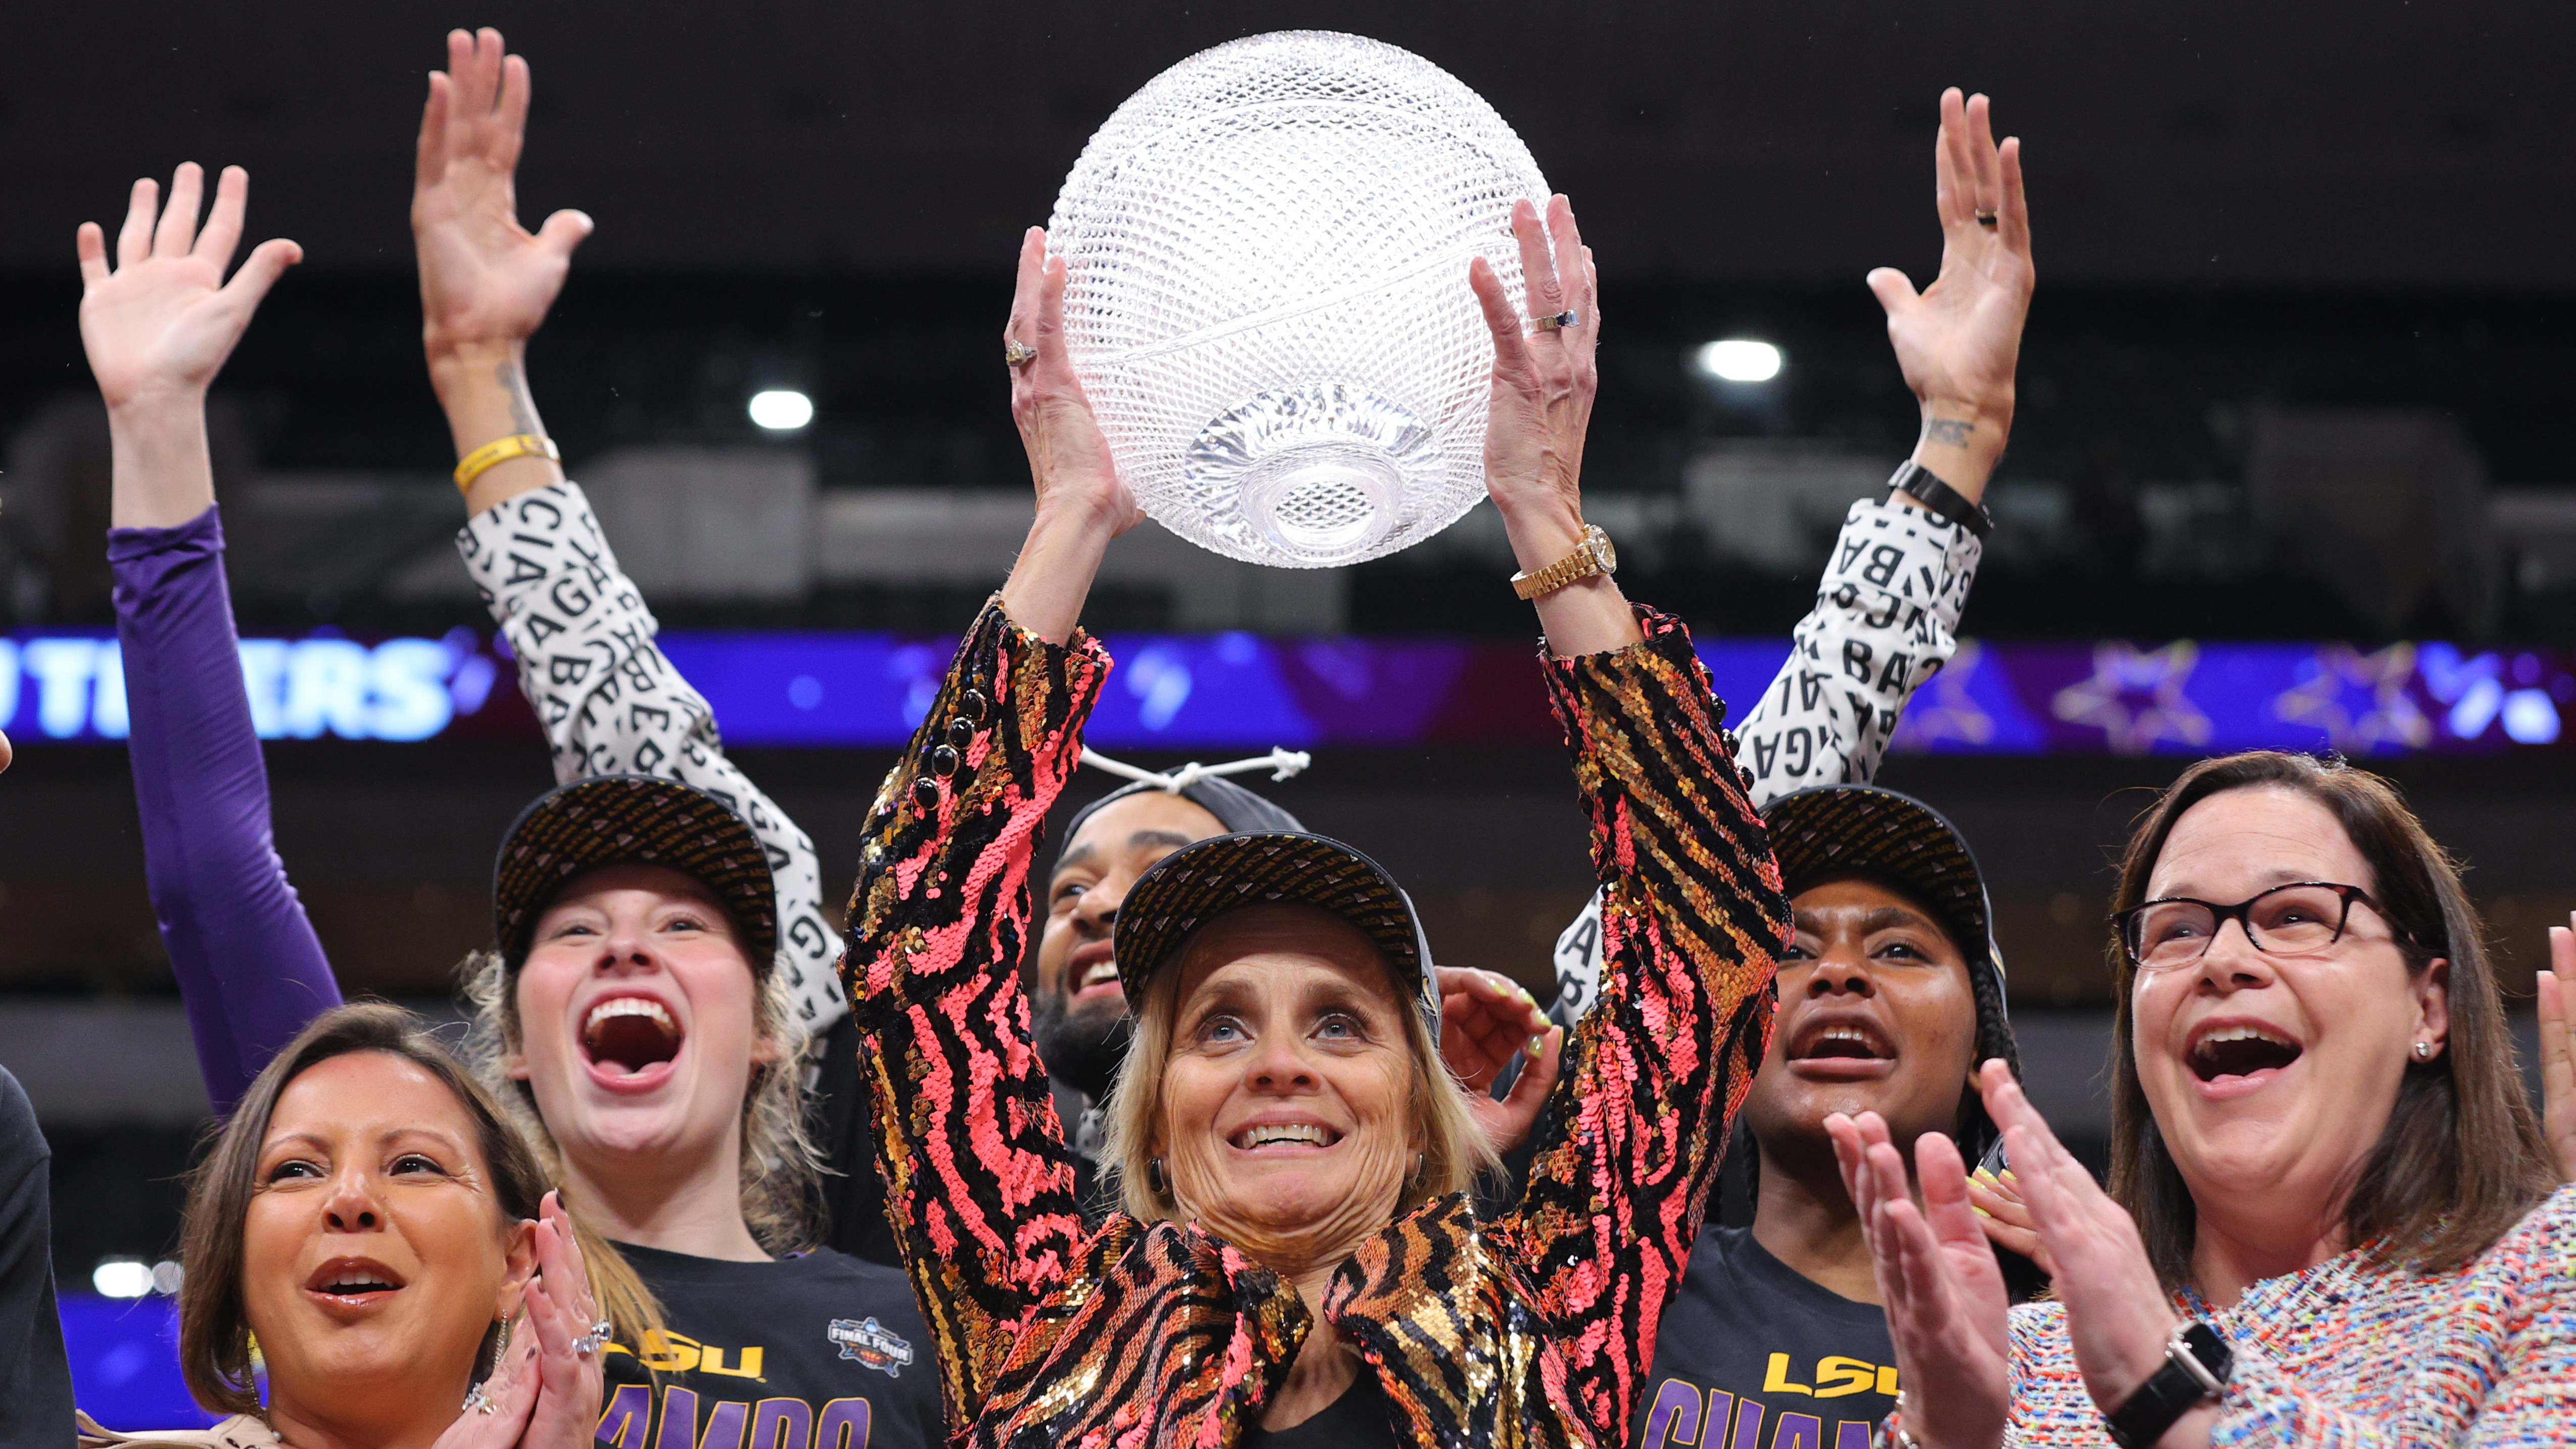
(1282,765)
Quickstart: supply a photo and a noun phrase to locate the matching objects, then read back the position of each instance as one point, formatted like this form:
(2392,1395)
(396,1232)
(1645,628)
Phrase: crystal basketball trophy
(1266,252)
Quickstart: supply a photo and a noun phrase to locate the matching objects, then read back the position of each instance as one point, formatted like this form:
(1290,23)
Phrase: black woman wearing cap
(1892,991)
(1890,995)
(1298,1259)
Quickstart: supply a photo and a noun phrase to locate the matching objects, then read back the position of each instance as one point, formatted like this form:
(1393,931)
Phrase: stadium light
(121,1278)
(781,410)
(1739,359)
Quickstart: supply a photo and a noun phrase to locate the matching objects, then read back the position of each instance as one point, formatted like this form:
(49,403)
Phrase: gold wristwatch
(1593,555)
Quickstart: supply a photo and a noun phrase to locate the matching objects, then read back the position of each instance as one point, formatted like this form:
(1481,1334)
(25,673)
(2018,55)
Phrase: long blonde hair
(1454,1148)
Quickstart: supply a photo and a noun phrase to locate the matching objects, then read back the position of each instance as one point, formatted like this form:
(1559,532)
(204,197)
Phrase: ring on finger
(1016,353)
(1986,219)
(589,1343)
(1554,321)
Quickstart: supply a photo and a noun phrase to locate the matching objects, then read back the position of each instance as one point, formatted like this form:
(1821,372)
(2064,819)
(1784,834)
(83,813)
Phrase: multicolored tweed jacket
(2352,1355)
(1529,1330)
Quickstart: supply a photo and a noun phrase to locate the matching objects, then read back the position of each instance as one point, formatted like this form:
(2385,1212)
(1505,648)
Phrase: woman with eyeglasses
(2331,1217)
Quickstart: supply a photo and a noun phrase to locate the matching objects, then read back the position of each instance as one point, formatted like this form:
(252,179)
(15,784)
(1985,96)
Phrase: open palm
(163,321)
(1945,1296)
(1958,340)
(483,277)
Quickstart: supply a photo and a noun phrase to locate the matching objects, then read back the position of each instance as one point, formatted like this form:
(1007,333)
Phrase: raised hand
(484,279)
(1959,339)
(1538,414)
(1082,503)
(1945,1296)
(1485,1020)
(158,327)
(2557,1054)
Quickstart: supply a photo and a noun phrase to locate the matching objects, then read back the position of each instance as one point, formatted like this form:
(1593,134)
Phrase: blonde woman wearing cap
(1298,1260)
(638,1017)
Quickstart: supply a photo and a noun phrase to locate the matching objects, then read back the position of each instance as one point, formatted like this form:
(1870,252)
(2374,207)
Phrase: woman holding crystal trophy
(1306,299)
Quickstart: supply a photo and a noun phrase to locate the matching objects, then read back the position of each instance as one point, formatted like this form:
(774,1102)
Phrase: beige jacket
(241,1431)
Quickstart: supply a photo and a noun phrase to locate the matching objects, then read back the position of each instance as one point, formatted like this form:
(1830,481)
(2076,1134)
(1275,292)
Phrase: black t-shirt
(1753,1356)
(1360,1419)
(820,1351)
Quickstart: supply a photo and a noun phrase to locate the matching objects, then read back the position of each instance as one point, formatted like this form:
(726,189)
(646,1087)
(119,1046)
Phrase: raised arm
(609,700)
(1887,609)
(979,1188)
(157,328)
(1628,1144)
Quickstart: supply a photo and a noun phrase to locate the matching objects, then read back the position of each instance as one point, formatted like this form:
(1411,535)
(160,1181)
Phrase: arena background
(2296,389)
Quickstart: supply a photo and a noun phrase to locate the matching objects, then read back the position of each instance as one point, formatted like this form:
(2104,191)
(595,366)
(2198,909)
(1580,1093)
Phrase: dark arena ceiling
(2209,142)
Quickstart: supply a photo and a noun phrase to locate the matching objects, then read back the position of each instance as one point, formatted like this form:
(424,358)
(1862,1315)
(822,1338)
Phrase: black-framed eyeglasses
(2299,919)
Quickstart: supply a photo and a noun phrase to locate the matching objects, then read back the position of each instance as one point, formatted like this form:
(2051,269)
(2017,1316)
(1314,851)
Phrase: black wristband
(1926,487)
(2173,1388)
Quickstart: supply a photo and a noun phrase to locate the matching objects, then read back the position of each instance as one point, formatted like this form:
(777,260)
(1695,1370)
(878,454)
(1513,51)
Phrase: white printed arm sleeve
(612,704)
(1886,619)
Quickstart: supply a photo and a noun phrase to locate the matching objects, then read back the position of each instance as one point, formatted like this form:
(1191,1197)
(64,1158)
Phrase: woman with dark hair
(637,1017)
(369,1221)
(2331,1217)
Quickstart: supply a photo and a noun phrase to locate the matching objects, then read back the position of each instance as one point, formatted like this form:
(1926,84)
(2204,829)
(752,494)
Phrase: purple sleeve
(249,966)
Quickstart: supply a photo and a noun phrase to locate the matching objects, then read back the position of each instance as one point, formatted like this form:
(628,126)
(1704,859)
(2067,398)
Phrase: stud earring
(2423,1051)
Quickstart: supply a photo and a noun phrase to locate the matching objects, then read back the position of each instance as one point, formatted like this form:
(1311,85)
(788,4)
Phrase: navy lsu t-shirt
(1753,1356)
(819,1351)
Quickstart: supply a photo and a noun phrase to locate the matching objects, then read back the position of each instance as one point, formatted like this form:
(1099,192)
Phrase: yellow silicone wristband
(501,450)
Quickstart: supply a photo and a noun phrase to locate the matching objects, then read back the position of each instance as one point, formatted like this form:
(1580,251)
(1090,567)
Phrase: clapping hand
(2557,1055)
(1959,339)
(1485,1020)
(545,1391)
(2116,1312)
(1945,1296)
(484,279)
(2006,1218)
(158,327)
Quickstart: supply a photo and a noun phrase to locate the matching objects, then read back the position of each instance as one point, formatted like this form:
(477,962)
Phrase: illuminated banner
(1244,692)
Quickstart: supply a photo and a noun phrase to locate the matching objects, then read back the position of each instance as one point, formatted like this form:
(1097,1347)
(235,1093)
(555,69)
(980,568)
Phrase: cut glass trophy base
(1317,475)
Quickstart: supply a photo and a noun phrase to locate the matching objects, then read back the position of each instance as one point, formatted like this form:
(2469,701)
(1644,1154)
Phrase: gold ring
(1553,321)
(1016,353)
(1986,219)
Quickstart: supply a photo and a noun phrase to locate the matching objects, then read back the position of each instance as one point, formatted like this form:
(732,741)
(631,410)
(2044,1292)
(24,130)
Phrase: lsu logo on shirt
(1679,1416)
(677,1353)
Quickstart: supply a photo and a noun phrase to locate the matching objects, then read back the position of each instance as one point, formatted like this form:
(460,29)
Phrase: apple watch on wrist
(1593,555)
(2197,1362)
(1928,489)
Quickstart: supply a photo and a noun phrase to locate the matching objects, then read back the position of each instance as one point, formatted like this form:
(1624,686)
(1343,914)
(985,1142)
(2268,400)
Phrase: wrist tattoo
(1951,431)
(523,408)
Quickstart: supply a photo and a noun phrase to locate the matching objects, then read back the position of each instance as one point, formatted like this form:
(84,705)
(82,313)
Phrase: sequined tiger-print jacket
(1533,1329)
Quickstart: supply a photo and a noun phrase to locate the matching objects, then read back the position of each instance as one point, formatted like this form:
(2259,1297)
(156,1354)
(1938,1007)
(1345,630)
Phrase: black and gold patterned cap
(632,820)
(1209,878)
(1863,830)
